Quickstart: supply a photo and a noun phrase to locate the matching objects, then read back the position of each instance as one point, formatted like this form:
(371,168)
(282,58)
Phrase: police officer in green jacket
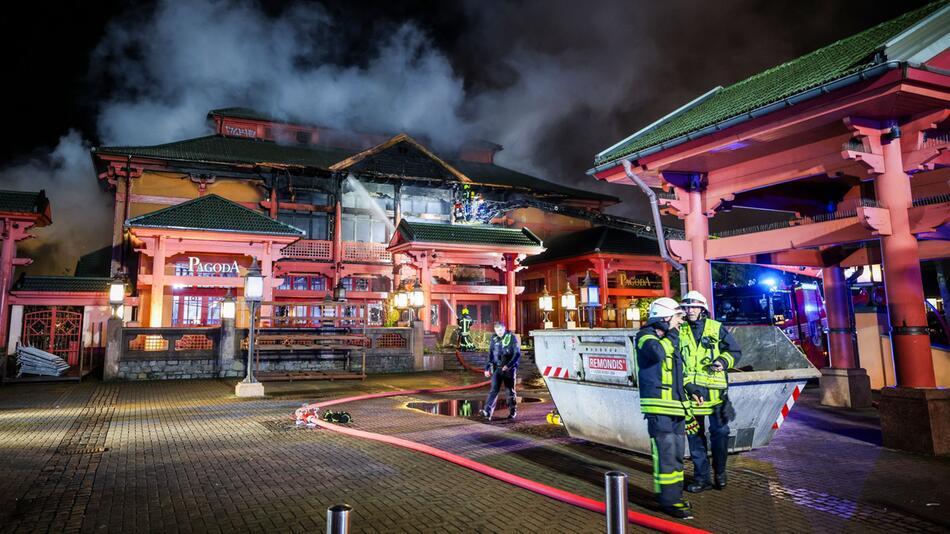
(663,401)
(709,350)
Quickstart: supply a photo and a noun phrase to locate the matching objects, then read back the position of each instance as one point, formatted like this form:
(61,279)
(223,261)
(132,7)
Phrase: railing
(309,249)
(170,343)
(376,339)
(929,201)
(366,252)
(845,213)
(353,252)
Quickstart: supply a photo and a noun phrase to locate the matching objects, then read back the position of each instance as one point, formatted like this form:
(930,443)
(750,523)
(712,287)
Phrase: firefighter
(663,401)
(504,353)
(465,331)
(710,350)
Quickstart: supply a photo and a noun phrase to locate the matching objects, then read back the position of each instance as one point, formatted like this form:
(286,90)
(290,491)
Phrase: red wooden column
(697,232)
(7,254)
(426,280)
(338,238)
(157,297)
(510,319)
(839,318)
(267,271)
(604,294)
(902,280)
(664,269)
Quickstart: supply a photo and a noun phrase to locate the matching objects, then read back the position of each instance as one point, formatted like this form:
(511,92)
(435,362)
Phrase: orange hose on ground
(661,525)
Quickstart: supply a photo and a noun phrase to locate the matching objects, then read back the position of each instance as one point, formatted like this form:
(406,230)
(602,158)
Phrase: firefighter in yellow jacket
(664,402)
(709,350)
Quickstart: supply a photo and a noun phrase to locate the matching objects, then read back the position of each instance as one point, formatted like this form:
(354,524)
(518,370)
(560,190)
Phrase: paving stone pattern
(186,456)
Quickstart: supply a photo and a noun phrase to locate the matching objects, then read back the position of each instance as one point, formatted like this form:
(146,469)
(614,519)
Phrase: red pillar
(839,318)
(604,294)
(7,254)
(905,295)
(697,232)
(426,280)
(510,293)
(338,239)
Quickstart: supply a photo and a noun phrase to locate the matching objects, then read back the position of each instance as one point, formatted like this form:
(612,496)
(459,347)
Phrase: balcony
(353,252)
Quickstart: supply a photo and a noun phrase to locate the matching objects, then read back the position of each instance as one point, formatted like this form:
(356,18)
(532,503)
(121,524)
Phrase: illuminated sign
(198,267)
(241,132)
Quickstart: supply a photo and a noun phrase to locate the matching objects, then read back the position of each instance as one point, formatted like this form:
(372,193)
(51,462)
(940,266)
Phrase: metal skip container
(591,377)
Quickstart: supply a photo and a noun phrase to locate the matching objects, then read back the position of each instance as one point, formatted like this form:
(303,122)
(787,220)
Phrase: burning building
(319,209)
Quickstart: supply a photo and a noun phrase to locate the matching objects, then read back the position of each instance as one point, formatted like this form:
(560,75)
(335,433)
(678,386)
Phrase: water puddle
(463,407)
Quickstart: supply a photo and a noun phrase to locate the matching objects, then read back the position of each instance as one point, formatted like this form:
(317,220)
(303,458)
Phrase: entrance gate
(56,331)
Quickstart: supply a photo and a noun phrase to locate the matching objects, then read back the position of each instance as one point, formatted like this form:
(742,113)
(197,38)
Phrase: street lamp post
(546,305)
(568,304)
(253,294)
(117,295)
(401,300)
(590,297)
(632,314)
(417,299)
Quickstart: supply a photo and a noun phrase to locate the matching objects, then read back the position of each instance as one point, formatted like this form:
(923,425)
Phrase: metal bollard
(338,519)
(616,487)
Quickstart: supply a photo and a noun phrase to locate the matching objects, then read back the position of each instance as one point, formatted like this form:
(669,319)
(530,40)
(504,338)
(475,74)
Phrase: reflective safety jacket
(503,351)
(660,373)
(702,344)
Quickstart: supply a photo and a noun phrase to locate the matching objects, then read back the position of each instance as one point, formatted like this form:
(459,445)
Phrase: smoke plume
(554,81)
(82,213)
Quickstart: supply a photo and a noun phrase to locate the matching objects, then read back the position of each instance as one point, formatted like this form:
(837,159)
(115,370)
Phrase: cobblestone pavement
(187,456)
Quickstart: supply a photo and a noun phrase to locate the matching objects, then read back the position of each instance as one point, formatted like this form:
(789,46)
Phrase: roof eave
(825,88)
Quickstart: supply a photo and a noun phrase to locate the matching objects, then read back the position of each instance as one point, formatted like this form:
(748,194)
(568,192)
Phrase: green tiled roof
(598,239)
(211,212)
(23,201)
(491,174)
(824,65)
(230,150)
(68,284)
(465,234)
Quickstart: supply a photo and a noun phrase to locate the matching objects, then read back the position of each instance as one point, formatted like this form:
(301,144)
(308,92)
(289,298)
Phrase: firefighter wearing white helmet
(663,400)
(709,350)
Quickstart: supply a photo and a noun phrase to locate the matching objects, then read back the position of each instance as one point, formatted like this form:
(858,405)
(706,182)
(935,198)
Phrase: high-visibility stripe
(656,466)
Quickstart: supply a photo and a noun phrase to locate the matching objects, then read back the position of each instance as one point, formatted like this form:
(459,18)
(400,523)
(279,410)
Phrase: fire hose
(567,497)
(466,365)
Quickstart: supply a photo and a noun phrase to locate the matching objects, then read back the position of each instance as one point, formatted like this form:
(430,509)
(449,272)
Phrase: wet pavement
(187,456)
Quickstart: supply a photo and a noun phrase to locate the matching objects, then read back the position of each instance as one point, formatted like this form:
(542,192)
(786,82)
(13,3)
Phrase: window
(363,228)
(303,137)
(304,283)
(314,225)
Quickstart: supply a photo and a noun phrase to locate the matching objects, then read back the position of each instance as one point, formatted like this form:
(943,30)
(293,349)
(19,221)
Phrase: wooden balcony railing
(309,249)
(353,252)
(366,252)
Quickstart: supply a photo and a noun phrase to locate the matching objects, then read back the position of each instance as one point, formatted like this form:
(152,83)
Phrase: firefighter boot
(721,480)
(680,510)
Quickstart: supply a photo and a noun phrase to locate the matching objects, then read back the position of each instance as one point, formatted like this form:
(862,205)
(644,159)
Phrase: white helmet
(664,308)
(694,299)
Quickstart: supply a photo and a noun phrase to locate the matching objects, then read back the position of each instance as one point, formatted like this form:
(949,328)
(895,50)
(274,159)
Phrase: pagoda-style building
(317,208)
(850,141)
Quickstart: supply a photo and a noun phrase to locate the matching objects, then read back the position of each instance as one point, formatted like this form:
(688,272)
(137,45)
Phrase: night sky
(554,82)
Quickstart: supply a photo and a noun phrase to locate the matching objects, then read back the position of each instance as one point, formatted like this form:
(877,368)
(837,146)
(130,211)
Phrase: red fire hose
(573,499)
(466,365)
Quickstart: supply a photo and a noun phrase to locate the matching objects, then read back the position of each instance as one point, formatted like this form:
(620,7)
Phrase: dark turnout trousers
(668,442)
(718,442)
(498,379)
